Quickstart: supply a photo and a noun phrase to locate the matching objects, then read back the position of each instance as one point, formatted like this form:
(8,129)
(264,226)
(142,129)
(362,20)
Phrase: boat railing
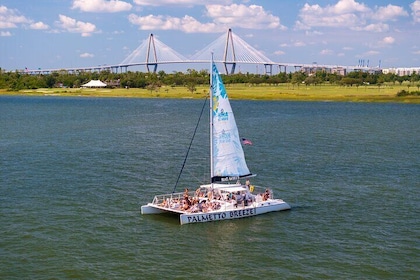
(162,199)
(259,191)
(175,200)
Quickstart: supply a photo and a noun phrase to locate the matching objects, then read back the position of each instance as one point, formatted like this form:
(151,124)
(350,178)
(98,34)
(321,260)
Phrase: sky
(54,34)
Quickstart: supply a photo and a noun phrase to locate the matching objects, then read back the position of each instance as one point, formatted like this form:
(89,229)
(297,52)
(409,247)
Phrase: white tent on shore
(94,83)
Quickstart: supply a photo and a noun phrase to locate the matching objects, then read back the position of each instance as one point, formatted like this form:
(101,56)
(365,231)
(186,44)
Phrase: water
(75,171)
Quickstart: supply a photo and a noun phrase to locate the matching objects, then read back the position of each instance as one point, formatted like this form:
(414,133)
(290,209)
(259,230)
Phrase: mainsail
(228,159)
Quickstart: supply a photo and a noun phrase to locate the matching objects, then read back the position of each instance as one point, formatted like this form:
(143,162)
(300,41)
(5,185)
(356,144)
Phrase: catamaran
(227,196)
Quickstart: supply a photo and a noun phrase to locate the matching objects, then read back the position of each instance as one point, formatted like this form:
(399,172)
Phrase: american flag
(246,141)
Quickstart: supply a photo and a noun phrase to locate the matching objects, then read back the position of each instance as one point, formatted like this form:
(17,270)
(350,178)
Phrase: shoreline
(283,92)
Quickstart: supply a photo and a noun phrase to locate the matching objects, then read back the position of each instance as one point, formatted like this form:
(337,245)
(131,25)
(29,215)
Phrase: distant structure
(229,49)
(402,71)
(152,52)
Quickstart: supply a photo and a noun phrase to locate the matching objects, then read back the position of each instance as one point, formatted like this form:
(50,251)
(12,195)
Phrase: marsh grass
(325,92)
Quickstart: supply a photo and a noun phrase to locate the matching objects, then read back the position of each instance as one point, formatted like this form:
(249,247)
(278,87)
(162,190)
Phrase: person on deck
(266,195)
(247,183)
(239,199)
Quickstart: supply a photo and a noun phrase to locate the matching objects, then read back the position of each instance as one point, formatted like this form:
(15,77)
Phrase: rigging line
(189,148)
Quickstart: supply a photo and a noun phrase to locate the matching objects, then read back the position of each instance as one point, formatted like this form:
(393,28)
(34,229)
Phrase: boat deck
(226,203)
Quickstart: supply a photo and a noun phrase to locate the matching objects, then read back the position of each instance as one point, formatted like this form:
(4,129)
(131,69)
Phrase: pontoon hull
(150,209)
(226,214)
(238,213)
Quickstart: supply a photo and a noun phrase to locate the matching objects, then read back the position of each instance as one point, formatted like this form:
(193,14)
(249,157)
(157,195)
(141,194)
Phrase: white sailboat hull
(228,210)
(151,209)
(238,213)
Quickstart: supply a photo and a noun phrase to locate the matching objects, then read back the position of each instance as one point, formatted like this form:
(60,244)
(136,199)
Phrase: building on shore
(402,71)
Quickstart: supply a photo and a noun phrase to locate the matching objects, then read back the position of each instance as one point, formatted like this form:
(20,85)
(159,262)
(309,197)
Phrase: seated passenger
(210,195)
(185,206)
(187,201)
(209,206)
(164,203)
(266,195)
(239,199)
(194,208)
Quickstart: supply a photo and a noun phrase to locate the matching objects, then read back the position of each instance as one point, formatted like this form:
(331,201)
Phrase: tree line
(15,81)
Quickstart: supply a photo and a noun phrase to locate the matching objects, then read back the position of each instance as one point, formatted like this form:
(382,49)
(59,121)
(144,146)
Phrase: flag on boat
(246,141)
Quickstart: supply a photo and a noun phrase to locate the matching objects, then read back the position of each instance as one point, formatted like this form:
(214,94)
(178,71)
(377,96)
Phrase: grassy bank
(240,91)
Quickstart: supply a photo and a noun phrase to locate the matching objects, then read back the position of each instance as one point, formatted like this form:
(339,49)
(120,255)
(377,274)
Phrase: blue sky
(76,33)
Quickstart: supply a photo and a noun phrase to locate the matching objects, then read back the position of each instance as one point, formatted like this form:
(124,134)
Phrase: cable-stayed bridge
(229,50)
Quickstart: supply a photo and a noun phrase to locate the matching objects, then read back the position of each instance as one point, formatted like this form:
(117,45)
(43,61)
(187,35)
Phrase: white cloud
(5,34)
(279,52)
(299,44)
(389,12)
(344,13)
(349,14)
(74,26)
(222,17)
(253,16)
(348,6)
(373,27)
(415,11)
(326,52)
(39,25)
(388,40)
(86,55)
(179,2)
(186,24)
(293,44)
(190,25)
(101,6)
(10,18)
(313,33)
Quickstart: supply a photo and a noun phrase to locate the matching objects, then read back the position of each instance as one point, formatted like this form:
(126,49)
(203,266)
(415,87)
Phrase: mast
(211,119)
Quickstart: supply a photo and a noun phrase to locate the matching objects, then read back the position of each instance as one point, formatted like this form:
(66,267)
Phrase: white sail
(228,157)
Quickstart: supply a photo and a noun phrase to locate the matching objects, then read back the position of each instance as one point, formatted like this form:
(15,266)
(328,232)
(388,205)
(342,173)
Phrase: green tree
(298,78)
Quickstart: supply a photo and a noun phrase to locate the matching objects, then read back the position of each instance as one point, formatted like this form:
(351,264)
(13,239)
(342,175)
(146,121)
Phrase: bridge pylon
(229,56)
(151,60)
(230,50)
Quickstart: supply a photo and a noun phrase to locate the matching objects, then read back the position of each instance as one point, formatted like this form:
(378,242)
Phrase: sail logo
(223,116)
(215,105)
(224,137)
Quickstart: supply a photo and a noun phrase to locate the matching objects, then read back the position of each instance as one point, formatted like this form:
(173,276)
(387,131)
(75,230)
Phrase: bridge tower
(229,57)
(151,47)
(230,50)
